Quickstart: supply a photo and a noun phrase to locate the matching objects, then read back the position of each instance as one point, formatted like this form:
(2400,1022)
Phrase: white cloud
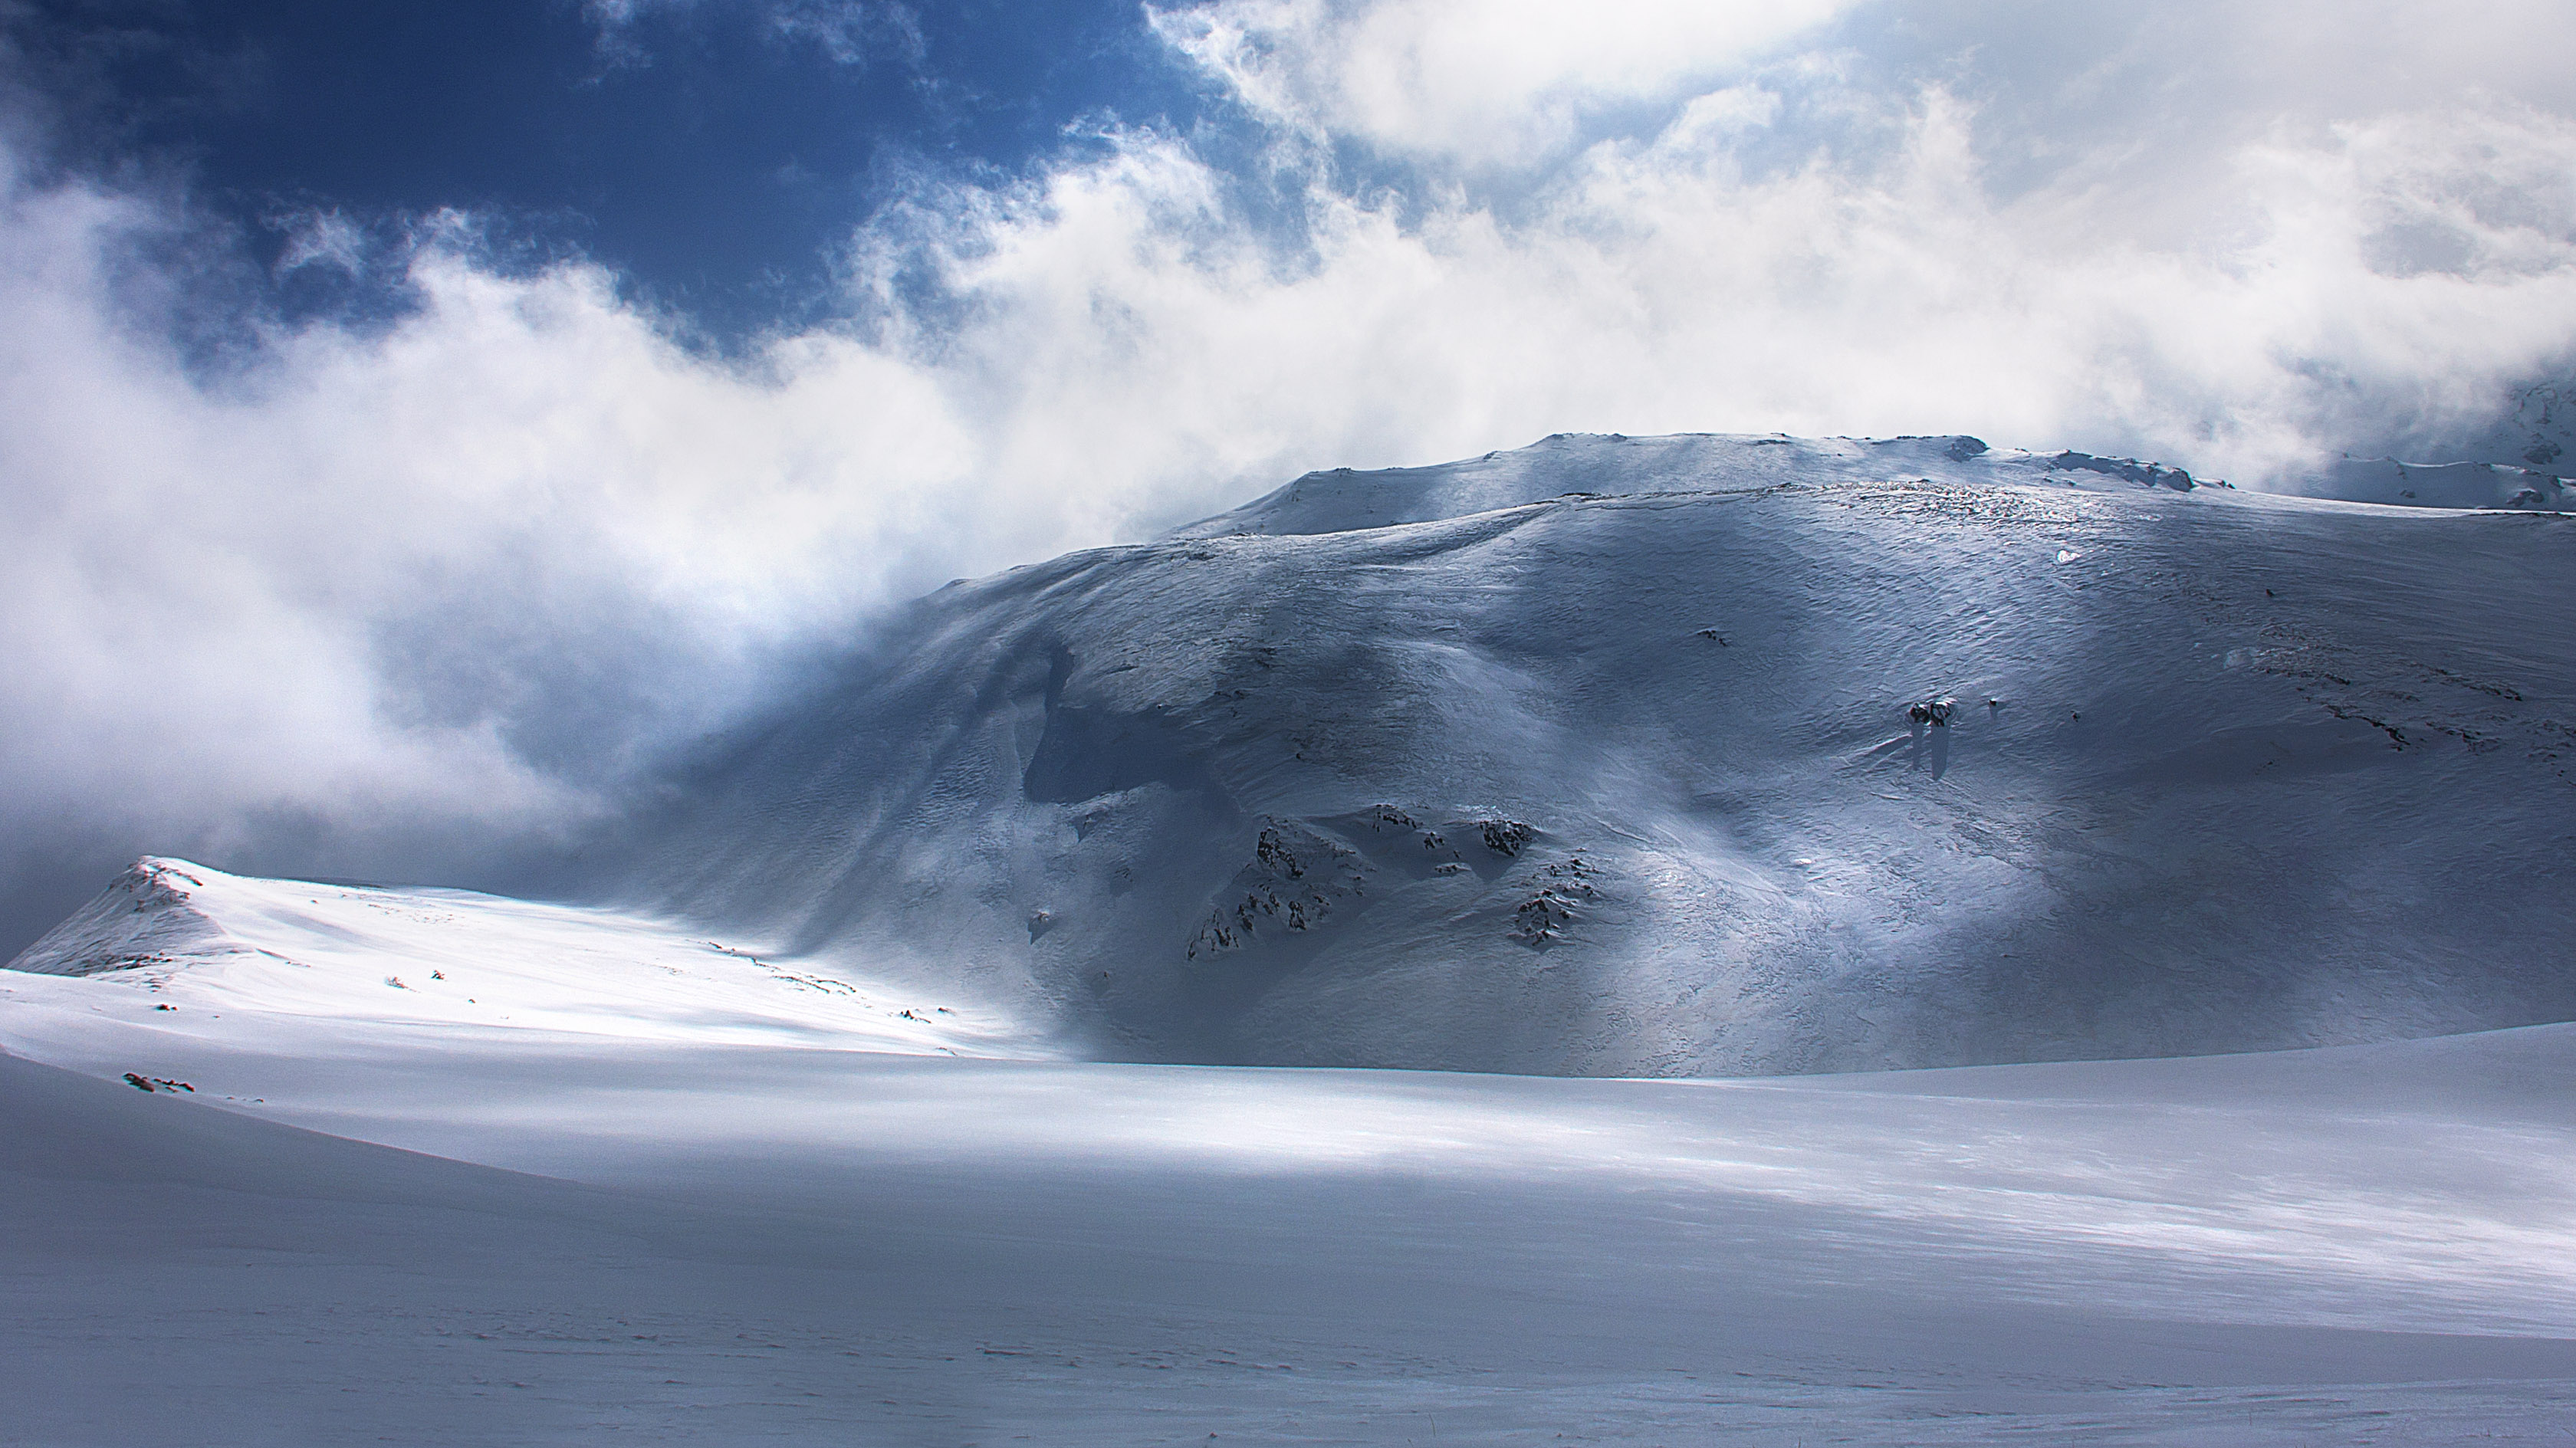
(324,239)
(1490,82)
(472,566)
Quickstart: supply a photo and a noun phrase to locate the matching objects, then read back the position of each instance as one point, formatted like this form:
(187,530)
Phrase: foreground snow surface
(634,1217)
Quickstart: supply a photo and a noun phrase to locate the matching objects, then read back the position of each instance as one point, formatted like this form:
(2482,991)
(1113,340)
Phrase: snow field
(707,1227)
(736,1243)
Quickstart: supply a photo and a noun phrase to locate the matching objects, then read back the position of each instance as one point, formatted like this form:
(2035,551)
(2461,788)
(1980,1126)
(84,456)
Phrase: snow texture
(1612,757)
(2223,772)
(146,917)
(176,939)
(730,1243)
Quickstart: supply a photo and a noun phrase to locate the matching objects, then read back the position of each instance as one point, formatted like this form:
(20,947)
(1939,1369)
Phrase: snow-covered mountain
(2521,460)
(2440,485)
(1596,757)
(1606,757)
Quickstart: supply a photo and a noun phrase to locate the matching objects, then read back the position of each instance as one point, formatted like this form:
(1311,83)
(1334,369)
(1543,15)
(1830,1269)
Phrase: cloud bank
(370,598)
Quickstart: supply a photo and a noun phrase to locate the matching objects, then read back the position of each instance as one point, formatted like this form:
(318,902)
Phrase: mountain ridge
(1681,756)
(1075,783)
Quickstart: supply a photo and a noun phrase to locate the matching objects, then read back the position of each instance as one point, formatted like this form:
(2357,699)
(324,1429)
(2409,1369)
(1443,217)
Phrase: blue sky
(420,421)
(714,154)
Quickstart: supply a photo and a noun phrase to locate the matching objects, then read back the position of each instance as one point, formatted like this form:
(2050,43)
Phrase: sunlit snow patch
(178,946)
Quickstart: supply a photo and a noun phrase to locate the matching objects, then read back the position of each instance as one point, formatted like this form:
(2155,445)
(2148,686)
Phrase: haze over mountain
(1594,757)
(1609,756)
(422,428)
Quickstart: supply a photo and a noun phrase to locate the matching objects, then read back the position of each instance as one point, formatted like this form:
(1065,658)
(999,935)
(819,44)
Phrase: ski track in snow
(425,1166)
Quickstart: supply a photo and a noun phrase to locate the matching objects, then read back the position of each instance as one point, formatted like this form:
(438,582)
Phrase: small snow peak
(154,883)
(146,916)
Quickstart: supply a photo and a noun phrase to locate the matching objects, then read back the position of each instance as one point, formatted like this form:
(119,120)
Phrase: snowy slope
(2441,485)
(173,946)
(748,1243)
(1592,758)
(2539,434)
(752,1221)
(1595,758)
(2521,461)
